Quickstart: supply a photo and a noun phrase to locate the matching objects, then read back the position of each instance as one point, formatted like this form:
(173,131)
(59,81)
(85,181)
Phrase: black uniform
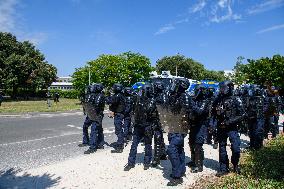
(212,124)
(255,116)
(117,105)
(229,112)
(127,126)
(173,113)
(199,112)
(144,118)
(94,103)
(159,143)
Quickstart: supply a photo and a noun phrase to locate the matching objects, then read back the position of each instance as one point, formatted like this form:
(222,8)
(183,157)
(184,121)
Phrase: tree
(214,75)
(186,67)
(22,66)
(261,70)
(126,68)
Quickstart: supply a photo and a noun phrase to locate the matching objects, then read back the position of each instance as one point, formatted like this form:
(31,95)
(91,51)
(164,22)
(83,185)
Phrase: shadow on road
(12,178)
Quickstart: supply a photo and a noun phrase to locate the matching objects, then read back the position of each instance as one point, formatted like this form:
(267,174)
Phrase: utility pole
(89,75)
(176,70)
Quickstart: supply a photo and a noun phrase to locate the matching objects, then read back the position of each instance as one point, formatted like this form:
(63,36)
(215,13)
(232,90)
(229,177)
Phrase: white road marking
(38,139)
(70,125)
(79,127)
(41,149)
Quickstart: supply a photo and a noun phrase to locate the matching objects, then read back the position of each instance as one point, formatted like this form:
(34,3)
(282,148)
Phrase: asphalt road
(32,141)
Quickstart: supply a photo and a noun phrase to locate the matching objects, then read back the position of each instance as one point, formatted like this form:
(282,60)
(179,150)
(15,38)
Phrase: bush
(260,169)
(266,163)
(66,94)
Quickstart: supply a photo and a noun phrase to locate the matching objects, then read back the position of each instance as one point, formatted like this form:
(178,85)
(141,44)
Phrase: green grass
(40,106)
(263,169)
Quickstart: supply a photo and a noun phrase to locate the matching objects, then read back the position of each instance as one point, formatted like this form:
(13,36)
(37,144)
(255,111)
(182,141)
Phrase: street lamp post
(89,75)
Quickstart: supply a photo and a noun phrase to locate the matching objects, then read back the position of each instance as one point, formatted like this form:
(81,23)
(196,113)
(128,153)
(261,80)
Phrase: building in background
(62,83)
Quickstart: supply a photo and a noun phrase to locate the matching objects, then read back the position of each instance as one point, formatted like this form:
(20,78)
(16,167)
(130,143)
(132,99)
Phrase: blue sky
(213,32)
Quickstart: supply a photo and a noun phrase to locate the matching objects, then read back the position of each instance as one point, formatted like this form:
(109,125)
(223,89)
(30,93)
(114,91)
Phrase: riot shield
(91,111)
(173,122)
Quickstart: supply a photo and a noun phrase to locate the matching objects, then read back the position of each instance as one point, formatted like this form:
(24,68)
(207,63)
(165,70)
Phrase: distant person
(1,98)
(56,97)
(48,96)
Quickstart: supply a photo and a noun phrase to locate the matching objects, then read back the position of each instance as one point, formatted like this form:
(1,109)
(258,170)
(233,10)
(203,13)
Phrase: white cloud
(266,6)
(7,15)
(198,7)
(10,21)
(222,3)
(222,11)
(165,29)
(182,21)
(272,28)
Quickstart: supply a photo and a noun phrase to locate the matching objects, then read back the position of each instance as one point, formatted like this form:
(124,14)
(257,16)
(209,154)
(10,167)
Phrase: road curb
(43,114)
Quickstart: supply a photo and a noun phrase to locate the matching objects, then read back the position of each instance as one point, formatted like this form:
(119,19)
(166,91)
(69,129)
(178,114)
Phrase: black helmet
(92,88)
(98,87)
(244,91)
(226,87)
(180,85)
(258,91)
(127,91)
(117,88)
(210,91)
(147,90)
(88,89)
(200,91)
(158,87)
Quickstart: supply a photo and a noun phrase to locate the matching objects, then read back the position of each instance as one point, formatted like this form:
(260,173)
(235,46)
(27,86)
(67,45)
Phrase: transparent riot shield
(91,111)
(173,122)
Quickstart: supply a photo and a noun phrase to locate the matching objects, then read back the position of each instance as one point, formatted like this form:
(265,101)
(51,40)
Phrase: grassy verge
(263,169)
(40,106)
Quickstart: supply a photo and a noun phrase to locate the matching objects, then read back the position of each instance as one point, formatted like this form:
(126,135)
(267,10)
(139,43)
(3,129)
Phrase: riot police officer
(173,114)
(144,118)
(127,133)
(255,116)
(270,110)
(229,113)
(199,111)
(212,124)
(117,105)
(94,106)
(159,143)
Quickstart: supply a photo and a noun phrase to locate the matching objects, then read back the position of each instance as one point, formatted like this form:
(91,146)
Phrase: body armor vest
(117,103)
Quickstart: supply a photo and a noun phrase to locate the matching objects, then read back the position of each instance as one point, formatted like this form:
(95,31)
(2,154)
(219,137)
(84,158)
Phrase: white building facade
(62,83)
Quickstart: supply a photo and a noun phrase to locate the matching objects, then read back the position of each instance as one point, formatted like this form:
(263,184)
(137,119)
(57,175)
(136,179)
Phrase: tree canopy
(126,68)
(260,71)
(188,68)
(22,66)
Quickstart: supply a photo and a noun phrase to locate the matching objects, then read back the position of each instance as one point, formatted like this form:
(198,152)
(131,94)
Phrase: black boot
(175,182)
(192,156)
(146,166)
(90,150)
(118,149)
(200,159)
(155,162)
(237,169)
(128,167)
(83,145)
(221,173)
